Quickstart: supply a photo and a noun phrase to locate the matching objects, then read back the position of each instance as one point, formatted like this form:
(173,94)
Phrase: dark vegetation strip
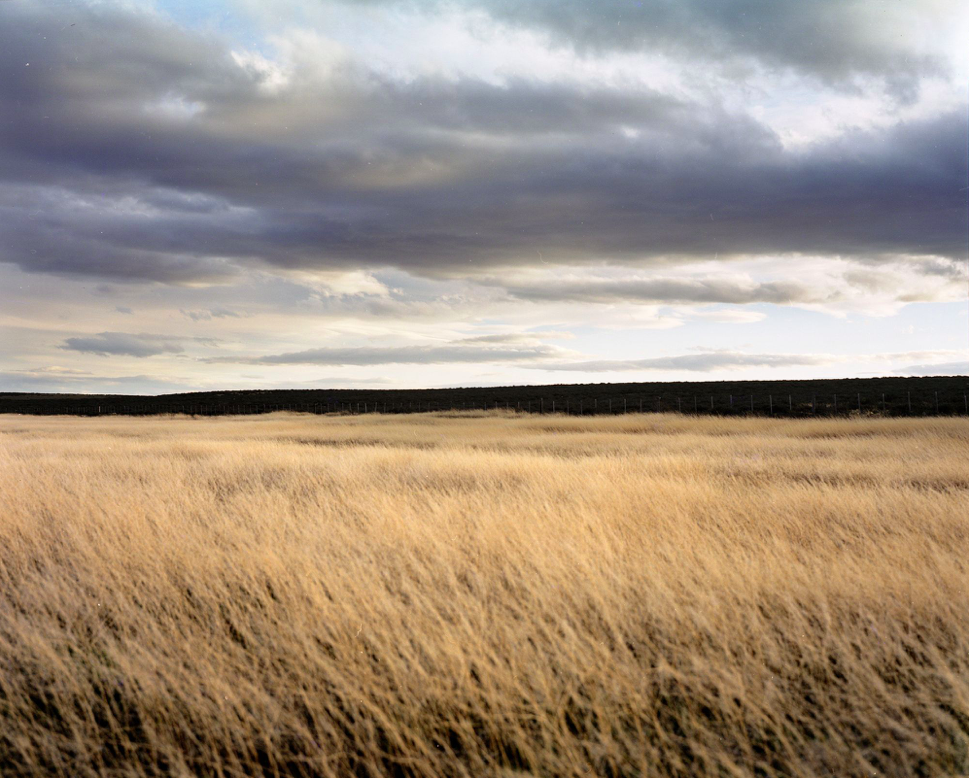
(891,396)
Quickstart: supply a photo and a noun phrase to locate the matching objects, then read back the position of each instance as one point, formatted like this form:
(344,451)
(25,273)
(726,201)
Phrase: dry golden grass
(484,595)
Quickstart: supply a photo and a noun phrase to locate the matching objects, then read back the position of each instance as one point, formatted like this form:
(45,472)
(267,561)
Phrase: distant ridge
(919,396)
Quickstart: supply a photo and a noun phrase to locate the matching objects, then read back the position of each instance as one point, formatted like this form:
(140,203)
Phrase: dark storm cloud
(703,362)
(135,151)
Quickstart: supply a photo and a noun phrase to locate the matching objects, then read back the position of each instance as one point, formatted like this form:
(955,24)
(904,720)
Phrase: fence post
(836,405)
(751,403)
(909,403)
(731,402)
(543,404)
(679,405)
(770,399)
(936,403)
(640,404)
(696,409)
(814,403)
(610,405)
(859,402)
(623,404)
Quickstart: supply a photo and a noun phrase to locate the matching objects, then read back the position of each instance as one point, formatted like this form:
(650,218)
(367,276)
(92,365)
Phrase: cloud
(211,313)
(708,360)
(55,370)
(831,40)
(465,166)
(481,349)
(728,316)
(666,290)
(960,367)
(829,284)
(703,362)
(46,381)
(123,344)
(450,177)
(525,350)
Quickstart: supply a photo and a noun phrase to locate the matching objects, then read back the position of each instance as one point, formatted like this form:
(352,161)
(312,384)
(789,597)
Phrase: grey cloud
(437,178)
(937,369)
(43,381)
(472,350)
(124,344)
(863,280)
(123,309)
(507,338)
(703,362)
(211,313)
(833,40)
(666,291)
(223,313)
(55,370)
(944,268)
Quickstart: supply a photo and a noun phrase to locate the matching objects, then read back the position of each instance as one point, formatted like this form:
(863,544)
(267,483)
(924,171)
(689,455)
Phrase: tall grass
(484,595)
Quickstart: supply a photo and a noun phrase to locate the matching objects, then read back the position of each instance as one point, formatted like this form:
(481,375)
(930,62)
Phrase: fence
(776,405)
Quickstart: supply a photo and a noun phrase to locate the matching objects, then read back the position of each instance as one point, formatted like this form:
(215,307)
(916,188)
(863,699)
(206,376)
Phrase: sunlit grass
(484,594)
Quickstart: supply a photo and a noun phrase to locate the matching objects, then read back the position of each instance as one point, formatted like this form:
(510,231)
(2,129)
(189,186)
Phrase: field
(484,594)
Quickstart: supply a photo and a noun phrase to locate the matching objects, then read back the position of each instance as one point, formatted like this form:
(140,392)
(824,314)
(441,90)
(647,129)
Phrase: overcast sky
(316,193)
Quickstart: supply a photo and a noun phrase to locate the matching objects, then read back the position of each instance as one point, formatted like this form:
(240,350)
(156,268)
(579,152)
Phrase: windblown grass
(484,595)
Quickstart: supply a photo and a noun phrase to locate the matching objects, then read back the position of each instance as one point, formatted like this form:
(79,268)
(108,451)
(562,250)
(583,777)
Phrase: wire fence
(777,405)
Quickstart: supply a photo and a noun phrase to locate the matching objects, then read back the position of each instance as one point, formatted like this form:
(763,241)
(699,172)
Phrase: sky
(243,194)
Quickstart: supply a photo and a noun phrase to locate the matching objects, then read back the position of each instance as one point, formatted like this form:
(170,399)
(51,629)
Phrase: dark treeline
(945,395)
